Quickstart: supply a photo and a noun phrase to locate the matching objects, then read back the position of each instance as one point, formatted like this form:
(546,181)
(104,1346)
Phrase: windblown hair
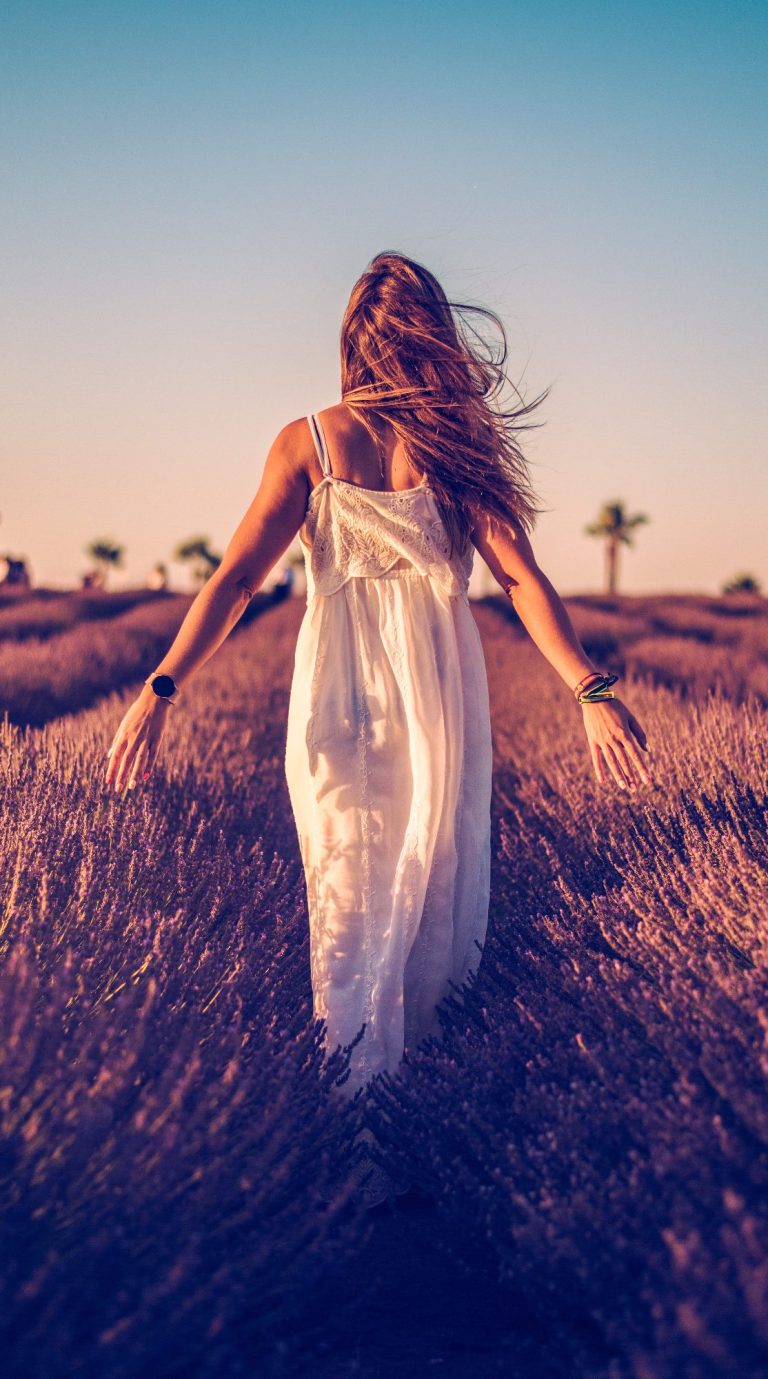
(408,355)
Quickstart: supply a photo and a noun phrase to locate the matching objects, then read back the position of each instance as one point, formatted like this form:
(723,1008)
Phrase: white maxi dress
(388,766)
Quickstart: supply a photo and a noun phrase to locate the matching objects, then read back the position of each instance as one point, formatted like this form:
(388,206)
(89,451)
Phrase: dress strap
(320,445)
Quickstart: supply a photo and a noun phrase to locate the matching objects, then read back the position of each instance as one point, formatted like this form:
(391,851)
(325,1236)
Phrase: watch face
(163,685)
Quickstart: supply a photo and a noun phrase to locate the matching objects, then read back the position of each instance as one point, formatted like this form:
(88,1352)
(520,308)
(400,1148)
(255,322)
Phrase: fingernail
(132,785)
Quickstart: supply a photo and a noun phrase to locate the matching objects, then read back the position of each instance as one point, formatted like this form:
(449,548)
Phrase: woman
(388,751)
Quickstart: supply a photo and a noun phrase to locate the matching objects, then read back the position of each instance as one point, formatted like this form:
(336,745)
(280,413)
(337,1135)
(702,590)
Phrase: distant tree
(105,554)
(742,584)
(157,577)
(615,527)
(198,553)
(14,570)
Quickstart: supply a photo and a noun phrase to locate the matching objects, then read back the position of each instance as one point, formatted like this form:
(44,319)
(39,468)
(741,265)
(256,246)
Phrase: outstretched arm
(509,555)
(613,733)
(265,532)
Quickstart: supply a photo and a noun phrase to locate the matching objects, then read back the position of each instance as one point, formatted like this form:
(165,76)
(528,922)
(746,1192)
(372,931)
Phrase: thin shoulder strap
(320,445)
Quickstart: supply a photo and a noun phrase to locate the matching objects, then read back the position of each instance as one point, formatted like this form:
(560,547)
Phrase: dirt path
(419,1311)
(425,1314)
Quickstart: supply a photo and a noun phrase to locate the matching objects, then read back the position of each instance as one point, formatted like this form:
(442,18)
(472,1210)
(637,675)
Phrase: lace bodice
(350,531)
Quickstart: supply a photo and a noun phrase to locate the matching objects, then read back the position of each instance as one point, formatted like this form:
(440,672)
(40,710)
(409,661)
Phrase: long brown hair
(407,353)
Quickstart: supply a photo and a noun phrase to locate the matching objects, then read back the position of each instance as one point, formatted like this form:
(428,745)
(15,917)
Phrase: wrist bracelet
(598,688)
(591,675)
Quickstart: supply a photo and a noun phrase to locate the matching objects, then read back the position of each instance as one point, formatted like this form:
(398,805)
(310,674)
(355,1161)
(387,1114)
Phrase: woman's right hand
(135,745)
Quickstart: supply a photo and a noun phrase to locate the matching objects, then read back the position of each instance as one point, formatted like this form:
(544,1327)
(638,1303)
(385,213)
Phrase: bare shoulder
(291,453)
(277,510)
(294,439)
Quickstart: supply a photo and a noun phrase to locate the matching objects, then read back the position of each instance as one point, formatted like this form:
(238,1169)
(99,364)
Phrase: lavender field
(61,652)
(590,1135)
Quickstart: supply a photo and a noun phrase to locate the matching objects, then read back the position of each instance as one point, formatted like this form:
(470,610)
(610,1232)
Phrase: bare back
(354,456)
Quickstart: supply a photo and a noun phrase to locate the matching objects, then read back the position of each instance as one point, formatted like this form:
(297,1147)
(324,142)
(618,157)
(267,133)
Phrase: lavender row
(168,1144)
(42,678)
(687,641)
(598,1107)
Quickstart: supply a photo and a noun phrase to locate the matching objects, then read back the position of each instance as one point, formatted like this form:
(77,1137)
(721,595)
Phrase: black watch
(164,687)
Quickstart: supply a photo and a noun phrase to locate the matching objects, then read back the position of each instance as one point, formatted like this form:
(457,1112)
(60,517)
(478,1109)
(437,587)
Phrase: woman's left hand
(613,734)
(135,745)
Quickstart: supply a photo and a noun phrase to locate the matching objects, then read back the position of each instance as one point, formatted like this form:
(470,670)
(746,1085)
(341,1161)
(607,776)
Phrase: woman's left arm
(613,732)
(265,532)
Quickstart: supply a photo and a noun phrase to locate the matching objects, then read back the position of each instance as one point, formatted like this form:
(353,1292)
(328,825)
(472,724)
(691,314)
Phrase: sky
(190,190)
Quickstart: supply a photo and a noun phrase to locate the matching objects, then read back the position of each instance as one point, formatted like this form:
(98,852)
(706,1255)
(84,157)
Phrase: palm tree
(198,550)
(615,526)
(105,553)
(742,584)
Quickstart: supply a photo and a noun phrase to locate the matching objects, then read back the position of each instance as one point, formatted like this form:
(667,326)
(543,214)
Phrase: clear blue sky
(189,191)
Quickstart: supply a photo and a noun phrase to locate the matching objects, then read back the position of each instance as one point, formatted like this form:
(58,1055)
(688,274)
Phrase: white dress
(388,765)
